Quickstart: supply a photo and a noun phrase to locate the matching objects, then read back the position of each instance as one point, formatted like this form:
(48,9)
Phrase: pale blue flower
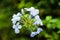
(33,11)
(14,26)
(13,22)
(17,31)
(38,20)
(39,30)
(17,26)
(15,18)
(33,34)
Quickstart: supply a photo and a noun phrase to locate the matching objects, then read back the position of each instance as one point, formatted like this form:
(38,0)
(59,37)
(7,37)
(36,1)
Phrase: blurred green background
(49,13)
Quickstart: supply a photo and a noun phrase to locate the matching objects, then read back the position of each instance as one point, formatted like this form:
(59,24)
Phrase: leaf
(59,3)
(48,18)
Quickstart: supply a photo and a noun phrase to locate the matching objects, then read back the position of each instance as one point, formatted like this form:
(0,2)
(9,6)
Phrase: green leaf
(59,3)
(48,18)
(49,26)
(52,1)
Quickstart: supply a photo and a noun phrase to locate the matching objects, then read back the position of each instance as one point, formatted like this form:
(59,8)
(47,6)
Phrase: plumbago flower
(29,20)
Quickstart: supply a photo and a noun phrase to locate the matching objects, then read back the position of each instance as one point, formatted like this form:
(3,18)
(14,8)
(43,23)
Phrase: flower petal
(33,34)
(39,30)
(17,31)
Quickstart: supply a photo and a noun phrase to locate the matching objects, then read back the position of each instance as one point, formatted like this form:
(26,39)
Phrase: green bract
(28,22)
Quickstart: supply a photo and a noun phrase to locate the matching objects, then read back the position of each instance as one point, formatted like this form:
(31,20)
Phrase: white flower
(13,22)
(33,34)
(38,20)
(37,11)
(16,18)
(17,31)
(33,11)
(39,30)
(37,17)
(14,26)
(17,26)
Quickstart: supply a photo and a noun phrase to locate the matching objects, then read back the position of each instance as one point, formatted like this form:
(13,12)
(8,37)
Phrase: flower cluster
(27,20)
(15,21)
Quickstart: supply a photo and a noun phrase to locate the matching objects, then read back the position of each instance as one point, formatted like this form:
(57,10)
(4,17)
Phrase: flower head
(27,20)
